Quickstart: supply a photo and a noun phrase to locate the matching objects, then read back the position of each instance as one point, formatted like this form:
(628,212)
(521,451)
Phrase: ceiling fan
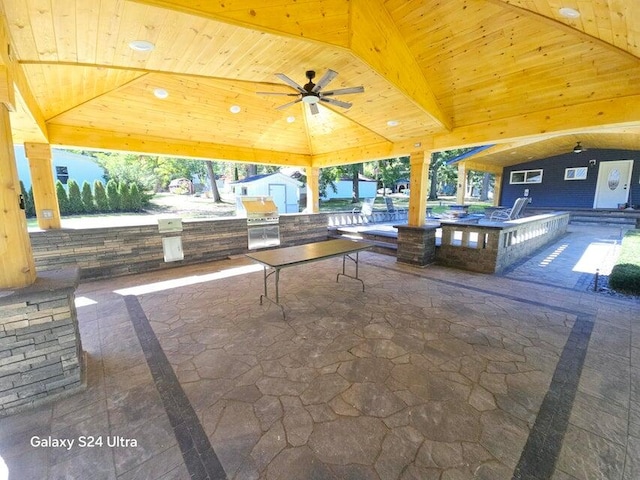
(311,93)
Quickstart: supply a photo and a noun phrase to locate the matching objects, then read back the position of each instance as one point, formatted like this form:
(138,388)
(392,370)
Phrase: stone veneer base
(41,354)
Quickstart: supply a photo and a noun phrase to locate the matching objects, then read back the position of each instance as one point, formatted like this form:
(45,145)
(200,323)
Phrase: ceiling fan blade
(286,105)
(344,91)
(314,108)
(278,93)
(290,82)
(338,103)
(324,81)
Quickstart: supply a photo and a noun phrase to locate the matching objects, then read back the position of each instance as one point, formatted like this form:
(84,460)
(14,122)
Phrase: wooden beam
(67,136)
(313,190)
(497,189)
(363,26)
(462,183)
(419,187)
(585,117)
(326,21)
(365,153)
(29,106)
(582,36)
(377,41)
(44,189)
(17,267)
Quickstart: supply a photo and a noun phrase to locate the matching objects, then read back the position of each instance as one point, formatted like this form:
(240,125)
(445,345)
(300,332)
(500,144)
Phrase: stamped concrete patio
(431,373)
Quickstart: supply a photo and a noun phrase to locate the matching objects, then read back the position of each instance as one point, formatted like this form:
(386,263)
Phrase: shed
(66,166)
(344,188)
(284,190)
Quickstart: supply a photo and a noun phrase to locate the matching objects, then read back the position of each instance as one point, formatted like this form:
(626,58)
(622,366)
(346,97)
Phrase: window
(62,174)
(526,176)
(575,173)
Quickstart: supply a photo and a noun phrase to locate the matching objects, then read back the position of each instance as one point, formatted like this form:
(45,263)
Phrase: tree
(87,198)
(113,199)
(135,197)
(215,194)
(389,171)
(27,199)
(75,197)
(100,196)
(440,170)
(63,199)
(31,204)
(125,197)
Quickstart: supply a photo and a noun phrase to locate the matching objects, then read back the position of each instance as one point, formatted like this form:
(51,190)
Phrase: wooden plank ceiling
(436,75)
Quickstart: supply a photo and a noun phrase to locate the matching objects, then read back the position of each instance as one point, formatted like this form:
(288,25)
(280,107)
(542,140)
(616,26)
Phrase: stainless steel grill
(263,222)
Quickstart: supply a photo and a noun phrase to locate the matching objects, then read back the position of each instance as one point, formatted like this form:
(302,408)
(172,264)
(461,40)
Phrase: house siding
(556,192)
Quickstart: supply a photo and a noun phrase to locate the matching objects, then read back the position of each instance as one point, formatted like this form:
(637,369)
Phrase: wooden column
(497,189)
(313,189)
(17,268)
(419,183)
(44,189)
(462,183)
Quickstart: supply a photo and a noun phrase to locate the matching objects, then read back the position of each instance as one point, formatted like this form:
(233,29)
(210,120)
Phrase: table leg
(266,293)
(344,272)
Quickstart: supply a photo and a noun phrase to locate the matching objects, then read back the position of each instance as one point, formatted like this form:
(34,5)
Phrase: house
(599,179)
(284,190)
(66,166)
(344,188)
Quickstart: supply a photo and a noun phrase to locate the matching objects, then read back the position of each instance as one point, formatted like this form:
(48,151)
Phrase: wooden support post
(17,267)
(462,183)
(313,189)
(44,189)
(497,189)
(418,183)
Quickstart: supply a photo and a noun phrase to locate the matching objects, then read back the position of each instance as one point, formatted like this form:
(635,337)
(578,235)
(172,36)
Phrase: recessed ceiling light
(234,109)
(160,93)
(393,123)
(567,12)
(291,119)
(417,144)
(141,46)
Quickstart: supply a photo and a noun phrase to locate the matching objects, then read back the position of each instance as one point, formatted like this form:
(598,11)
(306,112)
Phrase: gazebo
(312,84)
(178,78)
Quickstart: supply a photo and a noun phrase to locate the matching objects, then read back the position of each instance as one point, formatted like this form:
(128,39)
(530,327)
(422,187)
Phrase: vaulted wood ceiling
(451,73)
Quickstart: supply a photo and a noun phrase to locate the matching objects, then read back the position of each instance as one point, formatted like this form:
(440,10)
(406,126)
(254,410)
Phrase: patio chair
(366,209)
(393,213)
(512,213)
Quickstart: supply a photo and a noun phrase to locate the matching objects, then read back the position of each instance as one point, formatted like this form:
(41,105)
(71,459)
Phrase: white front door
(612,188)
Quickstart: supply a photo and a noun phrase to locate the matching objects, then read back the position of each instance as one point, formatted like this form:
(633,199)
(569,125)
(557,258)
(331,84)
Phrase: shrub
(125,197)
(135,197)
(63,199)
(75,197)
(625,275)
(100,196)
(113,197)
(87,198)
(31,204)
(29,208)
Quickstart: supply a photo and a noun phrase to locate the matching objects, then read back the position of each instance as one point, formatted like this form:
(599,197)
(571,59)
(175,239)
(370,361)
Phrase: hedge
(625,275)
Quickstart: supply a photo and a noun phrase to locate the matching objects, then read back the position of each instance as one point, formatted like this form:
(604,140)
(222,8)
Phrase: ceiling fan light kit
(312,93)
(578,148)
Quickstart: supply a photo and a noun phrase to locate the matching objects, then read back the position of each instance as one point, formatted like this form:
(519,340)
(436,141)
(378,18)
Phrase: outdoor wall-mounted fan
(311,93)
